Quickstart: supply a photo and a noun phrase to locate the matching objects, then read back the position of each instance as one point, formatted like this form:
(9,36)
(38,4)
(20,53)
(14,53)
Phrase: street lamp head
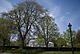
(69,25)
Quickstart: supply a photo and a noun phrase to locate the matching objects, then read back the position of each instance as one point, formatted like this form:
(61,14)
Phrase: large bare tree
(24,15)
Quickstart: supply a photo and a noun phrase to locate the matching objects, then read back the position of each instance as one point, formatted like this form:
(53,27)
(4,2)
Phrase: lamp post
(71,37)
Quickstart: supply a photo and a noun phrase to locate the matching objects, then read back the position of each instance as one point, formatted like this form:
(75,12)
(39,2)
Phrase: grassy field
(49,52)
(59,52)
(34,51)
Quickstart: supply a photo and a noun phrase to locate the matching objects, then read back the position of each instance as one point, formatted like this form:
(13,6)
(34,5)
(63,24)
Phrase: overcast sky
(64,11)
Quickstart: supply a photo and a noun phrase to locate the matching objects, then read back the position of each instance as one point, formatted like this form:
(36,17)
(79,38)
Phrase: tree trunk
(46,43)
(22,43)
(4,42)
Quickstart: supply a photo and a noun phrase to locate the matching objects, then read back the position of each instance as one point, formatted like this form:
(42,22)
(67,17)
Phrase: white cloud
(5,6)
(68,13)
(55,10)
(51,14)
(79,28)
(46,2)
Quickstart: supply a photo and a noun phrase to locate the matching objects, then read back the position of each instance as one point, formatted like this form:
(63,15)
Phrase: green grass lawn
(50,52)
(59,52)
(36,51)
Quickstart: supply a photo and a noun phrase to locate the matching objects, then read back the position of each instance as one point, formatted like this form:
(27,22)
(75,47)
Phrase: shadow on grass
(33,50)
(22,51)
